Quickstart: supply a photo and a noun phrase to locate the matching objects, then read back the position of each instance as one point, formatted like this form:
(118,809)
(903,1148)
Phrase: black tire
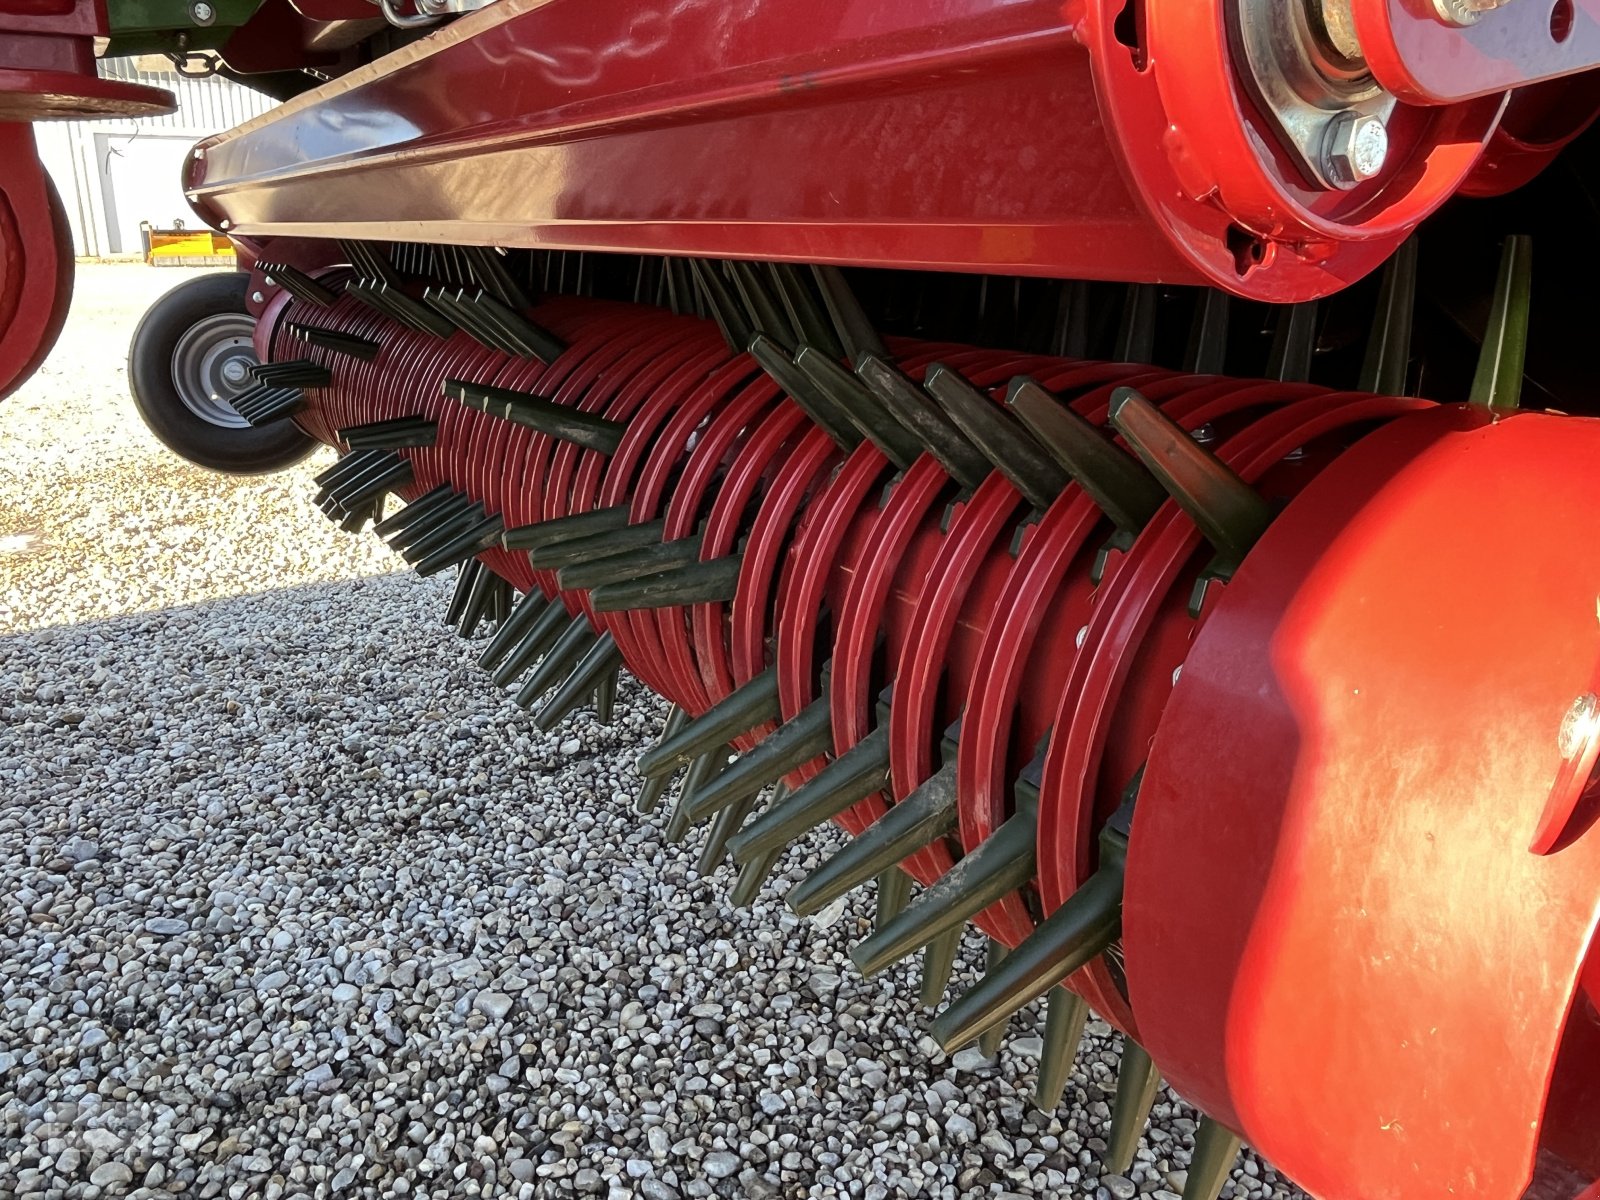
(153,377)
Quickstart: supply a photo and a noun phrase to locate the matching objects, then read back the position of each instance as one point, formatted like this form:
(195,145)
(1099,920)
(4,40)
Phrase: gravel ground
(293,903)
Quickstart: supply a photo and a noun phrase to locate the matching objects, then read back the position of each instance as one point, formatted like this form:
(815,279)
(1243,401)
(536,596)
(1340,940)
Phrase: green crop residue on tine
(1227,510)
(1138,1081)
(1497,384)
(1066,1014)
(793,744)
(1009,448)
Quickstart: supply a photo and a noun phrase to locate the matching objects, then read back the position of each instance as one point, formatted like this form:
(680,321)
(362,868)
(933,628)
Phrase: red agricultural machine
(998,428)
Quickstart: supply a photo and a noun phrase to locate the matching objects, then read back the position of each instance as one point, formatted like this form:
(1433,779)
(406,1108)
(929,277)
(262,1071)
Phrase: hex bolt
(1357,146)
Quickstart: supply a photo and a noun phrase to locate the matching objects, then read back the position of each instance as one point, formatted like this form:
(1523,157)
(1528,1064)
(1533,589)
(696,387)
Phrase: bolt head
(256,297)
(1358,147)
(202,12)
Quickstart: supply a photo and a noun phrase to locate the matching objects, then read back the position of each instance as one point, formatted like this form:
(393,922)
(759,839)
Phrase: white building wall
(114,174)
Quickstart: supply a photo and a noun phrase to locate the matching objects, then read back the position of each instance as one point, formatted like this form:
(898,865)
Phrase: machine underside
(1113,459)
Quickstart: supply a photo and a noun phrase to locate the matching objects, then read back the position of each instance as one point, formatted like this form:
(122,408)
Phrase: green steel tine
(1138,1081)
(561,421)
(1083,927)
(655,786)
(1006,444)
(857,336)
(559,529)
(766,313)
(1388,358)
(630,564)
(843,783)
(1294,343)
(1136,336)
(1002,864)
(601,660)
(923,817)
(552,556)
(834,420)
(513,629)
(894,889)
(605,694)
(909,405)
(477,603)
(793,744)
(1497,384)
(860,406)
(465,579)
(1122,489)
(571,646)
(989,1043)
(1228,511)
(1066,1013)
(938,965)
(740,711)
(701,772)
(806,314)
(700,583)
(1208,334)
(469,543)
(725,308)
(1216,1149)
(545,631)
